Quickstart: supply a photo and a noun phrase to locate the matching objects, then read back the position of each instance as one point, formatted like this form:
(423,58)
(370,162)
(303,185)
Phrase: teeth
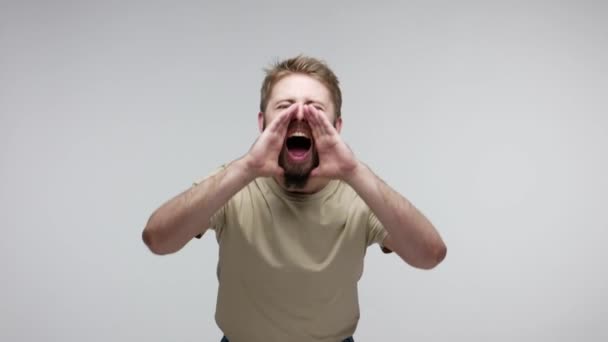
(298,134)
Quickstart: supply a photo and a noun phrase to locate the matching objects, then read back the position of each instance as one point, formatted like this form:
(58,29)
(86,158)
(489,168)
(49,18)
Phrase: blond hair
(302,65)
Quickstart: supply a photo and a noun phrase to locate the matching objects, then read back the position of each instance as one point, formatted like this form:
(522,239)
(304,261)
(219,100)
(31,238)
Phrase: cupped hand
(336,159)
(263,156)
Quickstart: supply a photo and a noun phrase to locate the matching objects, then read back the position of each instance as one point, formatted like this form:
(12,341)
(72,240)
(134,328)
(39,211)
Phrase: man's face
(299,155)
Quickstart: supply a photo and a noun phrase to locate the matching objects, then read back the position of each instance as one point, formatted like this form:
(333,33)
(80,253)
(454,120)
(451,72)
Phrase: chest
(287,241)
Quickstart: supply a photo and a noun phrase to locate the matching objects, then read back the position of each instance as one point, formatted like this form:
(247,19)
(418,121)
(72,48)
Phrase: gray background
(489,116)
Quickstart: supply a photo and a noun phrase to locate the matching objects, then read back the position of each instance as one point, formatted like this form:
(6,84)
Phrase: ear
(338,124)
(261,121)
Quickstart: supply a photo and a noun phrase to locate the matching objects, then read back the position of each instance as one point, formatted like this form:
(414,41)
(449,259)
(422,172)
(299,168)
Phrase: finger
(285,120)
(313,122)
(324,124)
(316,172)
(278,171)
(285,117)
(282,121)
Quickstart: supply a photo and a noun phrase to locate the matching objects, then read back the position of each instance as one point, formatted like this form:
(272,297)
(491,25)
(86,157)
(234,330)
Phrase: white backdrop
(490,116)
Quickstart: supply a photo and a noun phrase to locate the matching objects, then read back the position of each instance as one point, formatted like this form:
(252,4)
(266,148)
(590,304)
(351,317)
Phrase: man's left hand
(336,159)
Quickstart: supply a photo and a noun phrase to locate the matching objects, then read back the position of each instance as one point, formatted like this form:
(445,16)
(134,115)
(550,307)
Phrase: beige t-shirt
(289,264)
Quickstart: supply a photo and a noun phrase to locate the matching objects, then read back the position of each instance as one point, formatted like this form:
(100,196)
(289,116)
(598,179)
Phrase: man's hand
(336,159)
(263,157)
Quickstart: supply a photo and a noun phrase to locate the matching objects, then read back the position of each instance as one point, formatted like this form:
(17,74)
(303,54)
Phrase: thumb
(278,171)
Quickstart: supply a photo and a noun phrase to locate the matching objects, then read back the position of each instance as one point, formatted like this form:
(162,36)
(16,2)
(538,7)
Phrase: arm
(410,234)
(176,222)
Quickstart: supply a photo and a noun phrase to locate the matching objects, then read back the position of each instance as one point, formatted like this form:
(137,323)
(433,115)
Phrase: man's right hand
(188,214)
(263,157)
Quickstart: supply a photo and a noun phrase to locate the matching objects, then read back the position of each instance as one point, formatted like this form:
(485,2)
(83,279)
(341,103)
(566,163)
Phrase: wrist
(244,169)
(356,173)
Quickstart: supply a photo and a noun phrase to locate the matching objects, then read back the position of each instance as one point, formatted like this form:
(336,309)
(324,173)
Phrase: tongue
(298,152)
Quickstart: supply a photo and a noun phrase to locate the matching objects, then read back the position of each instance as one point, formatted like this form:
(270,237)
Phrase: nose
(300,113)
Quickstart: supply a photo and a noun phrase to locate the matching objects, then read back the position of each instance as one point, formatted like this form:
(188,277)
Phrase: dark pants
(349,339)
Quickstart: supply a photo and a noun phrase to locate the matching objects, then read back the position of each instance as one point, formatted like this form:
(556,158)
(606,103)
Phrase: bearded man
(293,218)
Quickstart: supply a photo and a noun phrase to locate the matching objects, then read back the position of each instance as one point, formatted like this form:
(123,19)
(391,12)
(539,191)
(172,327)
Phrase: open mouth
(298,146)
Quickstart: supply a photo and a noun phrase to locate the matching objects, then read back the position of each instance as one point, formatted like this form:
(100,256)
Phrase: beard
(297,174)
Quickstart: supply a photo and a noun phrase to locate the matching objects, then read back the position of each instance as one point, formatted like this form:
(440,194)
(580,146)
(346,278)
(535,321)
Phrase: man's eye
(282,106)
(319,108)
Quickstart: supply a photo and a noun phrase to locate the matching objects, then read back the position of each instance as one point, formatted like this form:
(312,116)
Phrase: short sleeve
(376,233)
(217,220)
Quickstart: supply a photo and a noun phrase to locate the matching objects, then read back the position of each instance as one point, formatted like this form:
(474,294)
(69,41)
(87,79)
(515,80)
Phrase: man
(293,218)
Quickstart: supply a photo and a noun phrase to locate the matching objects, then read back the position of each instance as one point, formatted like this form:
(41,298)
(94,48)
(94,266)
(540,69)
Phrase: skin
(298,99)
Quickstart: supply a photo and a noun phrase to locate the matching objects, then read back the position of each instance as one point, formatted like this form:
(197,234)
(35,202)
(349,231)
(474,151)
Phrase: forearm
(410,234)
(177,221)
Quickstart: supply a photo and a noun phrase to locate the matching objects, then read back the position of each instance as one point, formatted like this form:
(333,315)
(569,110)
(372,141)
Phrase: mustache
(297,124)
